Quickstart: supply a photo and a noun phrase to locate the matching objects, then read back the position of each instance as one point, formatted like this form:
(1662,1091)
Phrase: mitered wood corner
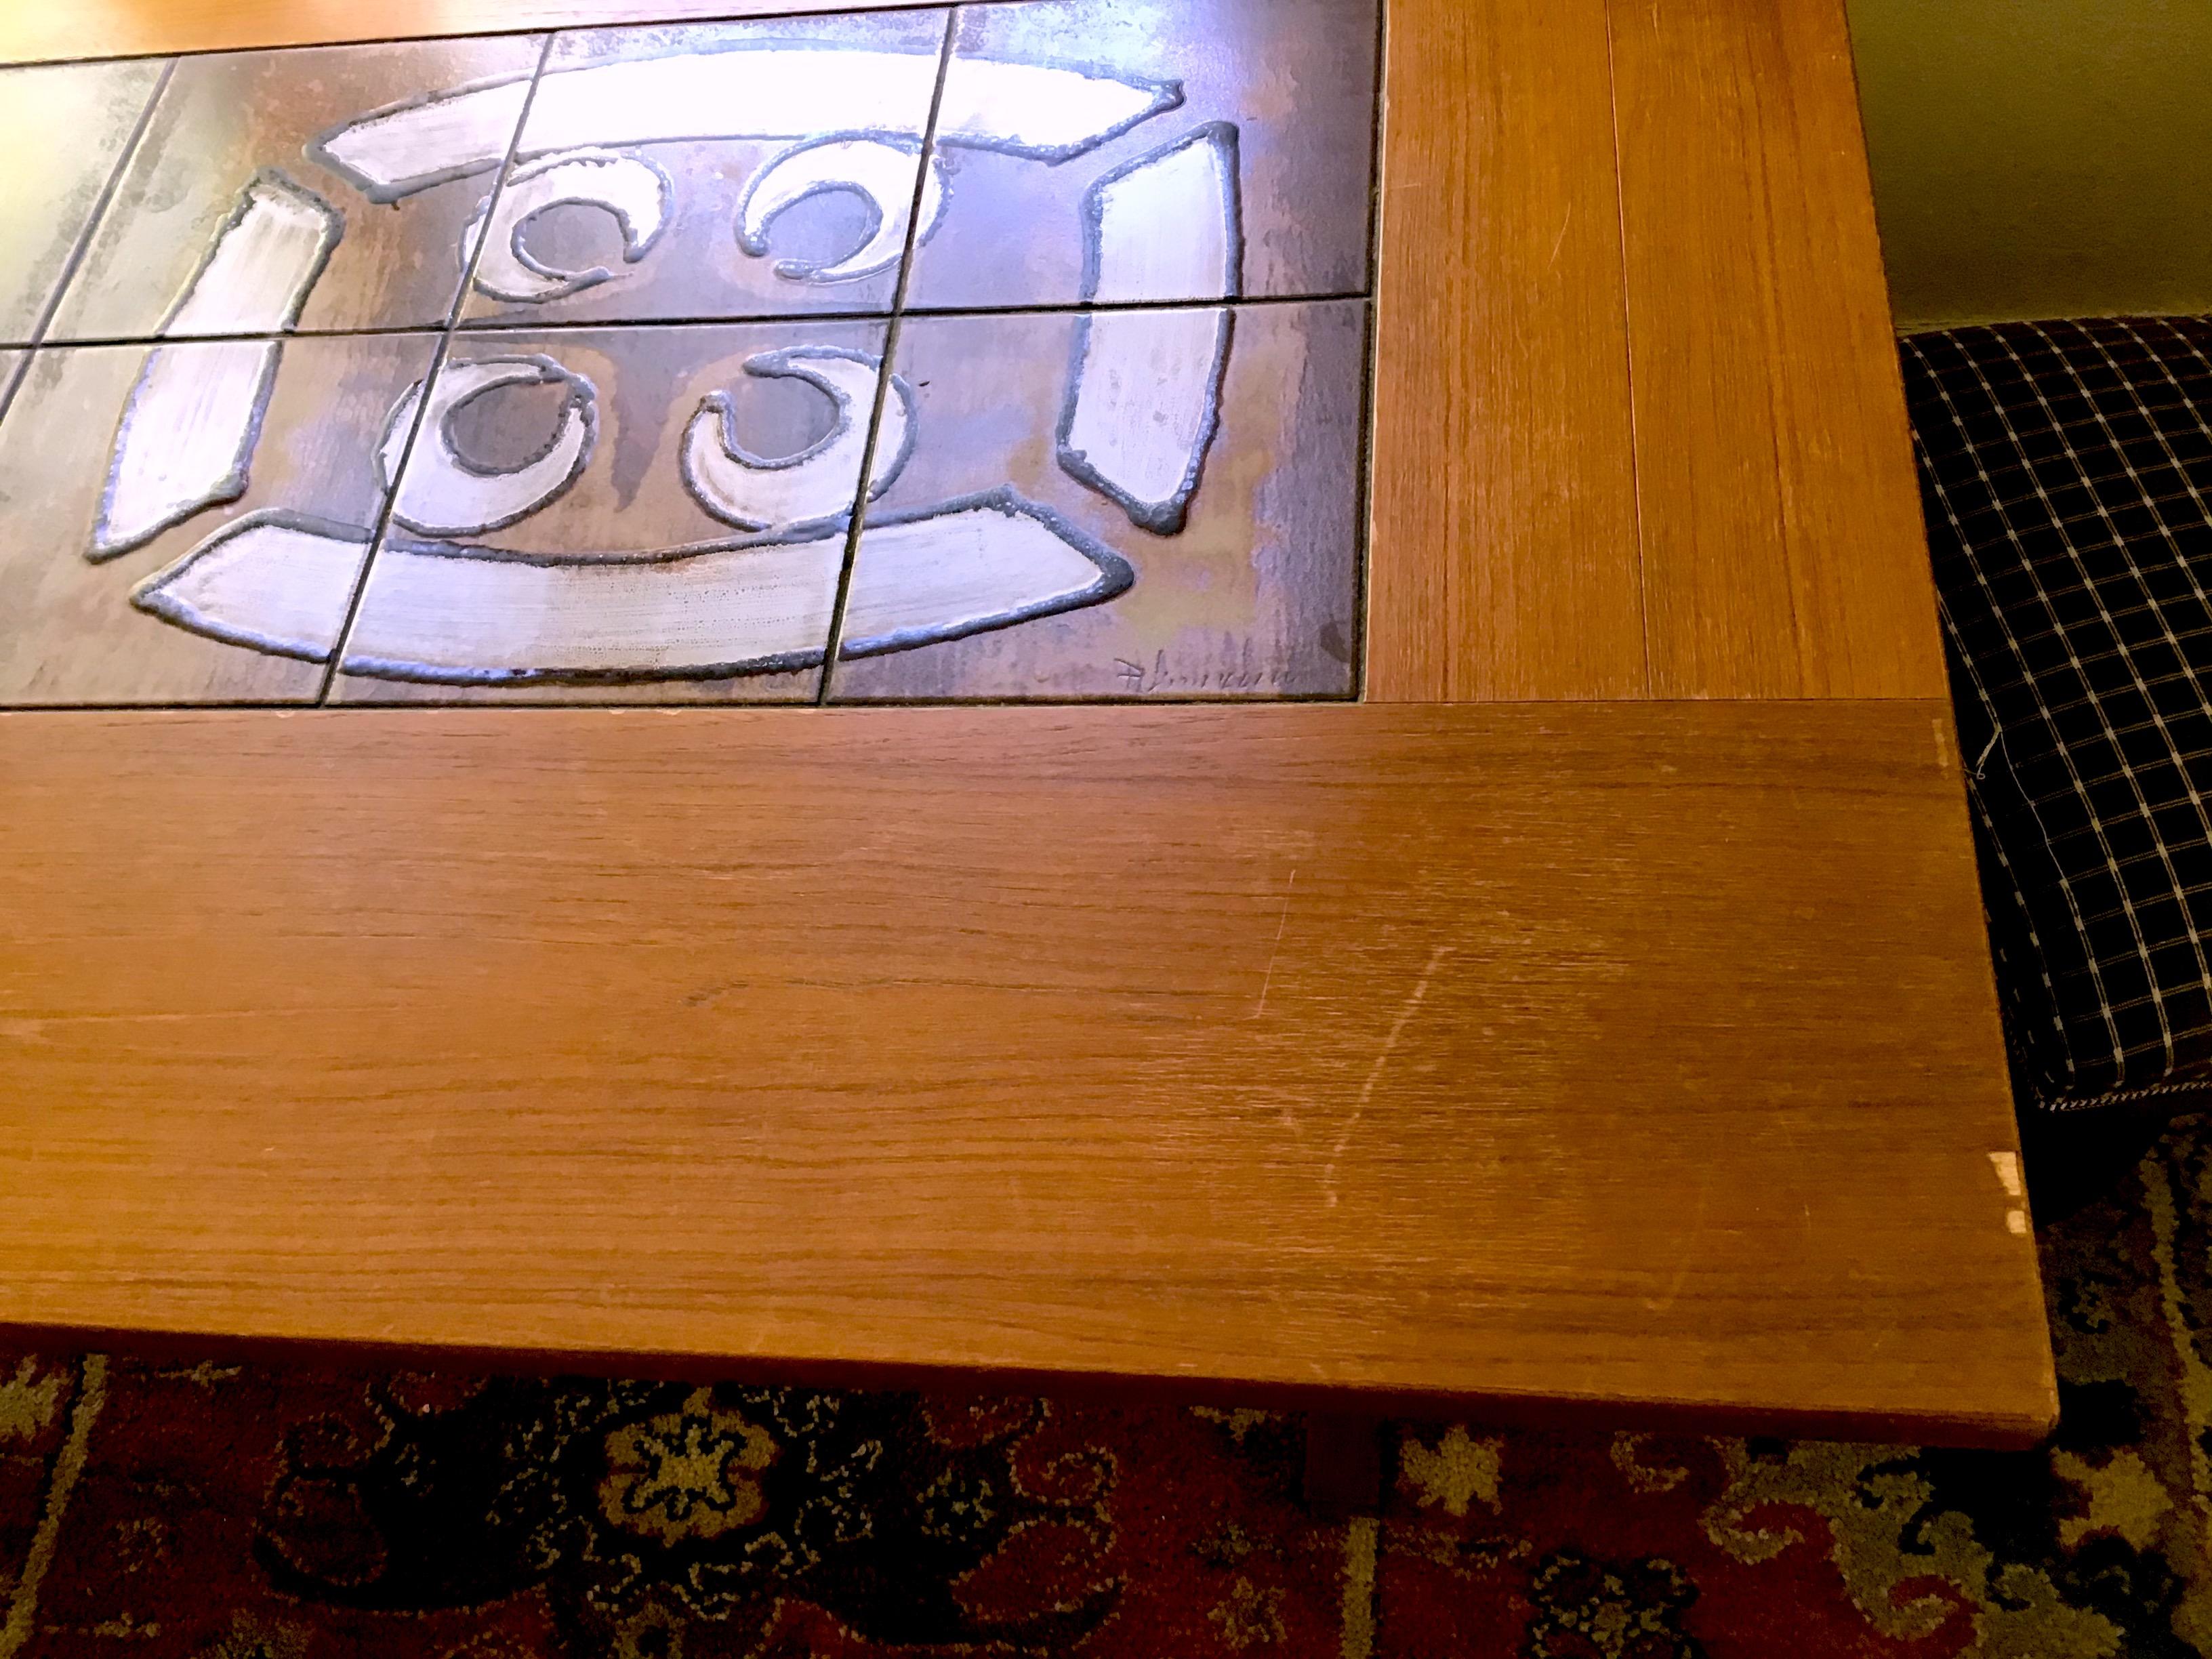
(1639,1058)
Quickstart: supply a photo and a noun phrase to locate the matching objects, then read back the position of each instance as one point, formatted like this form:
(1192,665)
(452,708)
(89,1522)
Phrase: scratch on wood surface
(1562,240)
(1662,1303)
(1275,955)
(1406,1012)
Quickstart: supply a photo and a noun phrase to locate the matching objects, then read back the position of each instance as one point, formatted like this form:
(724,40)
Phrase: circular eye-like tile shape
(635,191)
(818,483)
(880,169)
(442,492)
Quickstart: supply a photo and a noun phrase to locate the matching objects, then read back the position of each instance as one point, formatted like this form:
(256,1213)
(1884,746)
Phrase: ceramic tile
(260,195)
(118,463)
(1048,537)
(641,514)
(1253,137)
(62,127)
(758,169)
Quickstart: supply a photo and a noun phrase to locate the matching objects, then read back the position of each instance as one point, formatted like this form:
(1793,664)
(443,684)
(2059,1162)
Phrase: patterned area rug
(221,1511)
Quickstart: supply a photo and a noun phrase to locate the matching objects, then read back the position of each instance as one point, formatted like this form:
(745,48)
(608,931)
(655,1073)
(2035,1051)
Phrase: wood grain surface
(1511,1055)
(1645,216)
(1784,553)
(1504,562)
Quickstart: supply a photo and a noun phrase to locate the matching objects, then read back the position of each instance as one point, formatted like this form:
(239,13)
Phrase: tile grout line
(82,246)
(830,646)
(1044,308)
(1628,357)
(1070,700)
(1370,356)
(486,330)
(282,335)
(439,353)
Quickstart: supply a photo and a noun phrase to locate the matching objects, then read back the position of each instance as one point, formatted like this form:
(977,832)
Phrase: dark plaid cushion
(2066,471)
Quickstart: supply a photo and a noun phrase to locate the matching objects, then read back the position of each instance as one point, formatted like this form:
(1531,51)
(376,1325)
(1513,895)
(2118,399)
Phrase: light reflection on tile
(1295,78)
(757,93)
(1255,594)
(225,118)
(72,633)
(639,489)
(62,128)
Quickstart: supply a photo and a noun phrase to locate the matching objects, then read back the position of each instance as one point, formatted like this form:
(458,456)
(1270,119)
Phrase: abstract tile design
(1121,455)
(643,514)
(178,251)
(62,128)
(1230,485)
(732,170)
(83,618)
(1288,85)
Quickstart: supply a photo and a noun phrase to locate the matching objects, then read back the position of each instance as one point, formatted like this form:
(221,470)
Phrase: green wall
(2039,158)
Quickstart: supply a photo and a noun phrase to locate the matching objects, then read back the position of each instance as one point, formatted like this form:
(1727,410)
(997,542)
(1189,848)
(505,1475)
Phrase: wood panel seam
(1628,353)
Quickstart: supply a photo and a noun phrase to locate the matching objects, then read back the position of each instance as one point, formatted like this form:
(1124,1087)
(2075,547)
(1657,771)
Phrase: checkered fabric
(2066,473)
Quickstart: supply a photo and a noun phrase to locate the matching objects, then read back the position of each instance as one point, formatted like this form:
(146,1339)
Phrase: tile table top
(1008,352)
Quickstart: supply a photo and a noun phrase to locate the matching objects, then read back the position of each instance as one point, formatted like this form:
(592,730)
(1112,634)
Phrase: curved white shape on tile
(1143,409)
(1168,225)
(188,432)
(280,582)
(822,481)
(393,152)
(263,263)
(1145,391)
(969,566)
(186,440)
(1041,112)
(779,91)
(441,493)
(881,169)
(451,617)
(636,191)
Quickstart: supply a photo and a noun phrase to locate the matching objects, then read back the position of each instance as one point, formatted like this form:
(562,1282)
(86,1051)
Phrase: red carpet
(226,1511)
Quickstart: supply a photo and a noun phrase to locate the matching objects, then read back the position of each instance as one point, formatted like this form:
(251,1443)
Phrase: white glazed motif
(1141,411)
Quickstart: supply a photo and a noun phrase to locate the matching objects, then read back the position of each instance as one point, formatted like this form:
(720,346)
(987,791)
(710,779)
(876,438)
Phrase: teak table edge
(1479,1052)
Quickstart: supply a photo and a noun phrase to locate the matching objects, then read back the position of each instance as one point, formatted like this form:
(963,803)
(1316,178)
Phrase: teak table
(1592,1020)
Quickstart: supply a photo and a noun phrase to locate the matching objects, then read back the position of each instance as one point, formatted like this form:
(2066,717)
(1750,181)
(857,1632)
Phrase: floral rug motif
(237,1512)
